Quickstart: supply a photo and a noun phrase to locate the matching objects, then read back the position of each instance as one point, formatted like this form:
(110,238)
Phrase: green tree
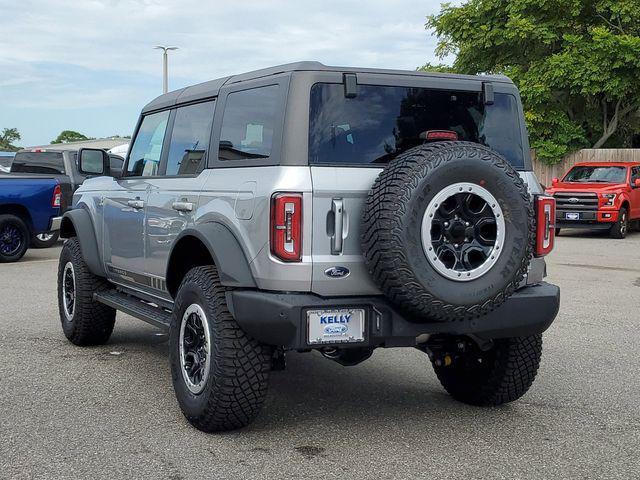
(67,136)
(7,137)
(576,62)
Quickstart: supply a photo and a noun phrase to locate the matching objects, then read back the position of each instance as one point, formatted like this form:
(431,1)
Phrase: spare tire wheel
(448,231)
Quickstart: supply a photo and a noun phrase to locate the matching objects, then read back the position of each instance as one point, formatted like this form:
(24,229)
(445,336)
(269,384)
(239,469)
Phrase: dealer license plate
(572,216)
(335,326)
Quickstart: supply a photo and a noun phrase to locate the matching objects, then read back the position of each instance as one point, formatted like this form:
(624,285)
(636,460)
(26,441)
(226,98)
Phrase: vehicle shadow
(591,233)
(393,387)
(317,392)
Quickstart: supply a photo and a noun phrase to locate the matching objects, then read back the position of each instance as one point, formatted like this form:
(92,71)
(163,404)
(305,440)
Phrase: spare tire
(448,231)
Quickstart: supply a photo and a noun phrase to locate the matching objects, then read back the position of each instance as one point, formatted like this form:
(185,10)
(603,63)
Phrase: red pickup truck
(598,195)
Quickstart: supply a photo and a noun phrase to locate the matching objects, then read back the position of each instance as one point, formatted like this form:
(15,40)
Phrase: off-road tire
(38,243)
(391,235)
(506,372)
(236,386)
(92,322)
(18,224)
(621,227)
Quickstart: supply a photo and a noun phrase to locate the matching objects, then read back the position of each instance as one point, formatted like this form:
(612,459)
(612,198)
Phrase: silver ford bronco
(306,207)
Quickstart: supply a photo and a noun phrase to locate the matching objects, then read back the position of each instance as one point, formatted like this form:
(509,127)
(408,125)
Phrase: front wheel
(621,227)
(219,373)
(14,236)
(84,321)
(501,374)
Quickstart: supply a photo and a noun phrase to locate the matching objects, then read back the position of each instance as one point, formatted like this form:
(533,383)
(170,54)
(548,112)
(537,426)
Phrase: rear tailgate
(347,188)
(339,194)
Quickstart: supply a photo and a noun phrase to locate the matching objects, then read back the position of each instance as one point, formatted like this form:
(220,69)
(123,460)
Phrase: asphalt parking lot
(110,412)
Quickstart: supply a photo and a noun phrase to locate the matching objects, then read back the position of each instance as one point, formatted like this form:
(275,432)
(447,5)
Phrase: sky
(90,66)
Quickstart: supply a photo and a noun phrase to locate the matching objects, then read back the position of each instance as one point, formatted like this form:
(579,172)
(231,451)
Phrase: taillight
(545,227)
(286,226)
(57,196)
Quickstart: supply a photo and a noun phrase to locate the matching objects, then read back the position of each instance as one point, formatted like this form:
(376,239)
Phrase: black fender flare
(78,223)
(225,250)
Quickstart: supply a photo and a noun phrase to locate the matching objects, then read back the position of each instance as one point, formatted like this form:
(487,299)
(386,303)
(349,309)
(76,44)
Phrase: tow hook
(443,351)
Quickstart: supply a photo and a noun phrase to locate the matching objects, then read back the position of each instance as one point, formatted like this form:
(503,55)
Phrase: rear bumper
(280,318)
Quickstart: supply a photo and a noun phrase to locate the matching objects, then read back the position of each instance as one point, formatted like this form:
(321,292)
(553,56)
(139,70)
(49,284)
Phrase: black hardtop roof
(212,87)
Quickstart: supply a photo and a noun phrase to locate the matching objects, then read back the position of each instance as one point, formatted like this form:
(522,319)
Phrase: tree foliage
(7,138)
(576,62)
(67,136)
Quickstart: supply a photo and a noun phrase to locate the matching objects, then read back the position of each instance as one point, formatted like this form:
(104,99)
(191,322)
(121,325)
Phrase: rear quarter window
(248,124)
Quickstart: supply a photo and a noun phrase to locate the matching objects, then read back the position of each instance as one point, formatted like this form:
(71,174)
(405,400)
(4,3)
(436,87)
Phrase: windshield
(38,162)
(381,122)
(584,174)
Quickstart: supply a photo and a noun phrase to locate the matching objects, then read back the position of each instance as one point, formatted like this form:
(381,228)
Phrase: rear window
(584,174)
(38,162)
(382,121)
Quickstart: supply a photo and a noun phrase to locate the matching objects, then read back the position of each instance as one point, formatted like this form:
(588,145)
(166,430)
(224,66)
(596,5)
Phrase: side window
(248,123)
(190,139)
(635,174)
(146,150)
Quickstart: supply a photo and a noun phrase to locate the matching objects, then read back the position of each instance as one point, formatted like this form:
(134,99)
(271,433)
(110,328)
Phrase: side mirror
(555,181)
(93,162)
(636,183)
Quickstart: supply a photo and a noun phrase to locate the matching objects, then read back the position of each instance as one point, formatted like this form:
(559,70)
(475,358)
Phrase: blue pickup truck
(29,205)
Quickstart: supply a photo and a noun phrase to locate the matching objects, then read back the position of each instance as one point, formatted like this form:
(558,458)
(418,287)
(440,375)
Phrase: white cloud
(215,37)
(80,54)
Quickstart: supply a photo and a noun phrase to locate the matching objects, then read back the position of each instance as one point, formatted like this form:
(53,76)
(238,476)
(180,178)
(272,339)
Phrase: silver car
(306,207)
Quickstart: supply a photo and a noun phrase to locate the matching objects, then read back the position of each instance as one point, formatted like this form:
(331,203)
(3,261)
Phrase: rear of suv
(306,207)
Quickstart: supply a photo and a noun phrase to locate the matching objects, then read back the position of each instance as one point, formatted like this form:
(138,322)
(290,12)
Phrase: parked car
(28,206)
(306,207)
(599,196)
(61,163)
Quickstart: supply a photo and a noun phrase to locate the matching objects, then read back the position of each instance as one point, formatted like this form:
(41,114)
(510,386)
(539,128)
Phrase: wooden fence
(546,173)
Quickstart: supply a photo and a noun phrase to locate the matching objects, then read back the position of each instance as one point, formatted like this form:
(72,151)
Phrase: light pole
(165,79)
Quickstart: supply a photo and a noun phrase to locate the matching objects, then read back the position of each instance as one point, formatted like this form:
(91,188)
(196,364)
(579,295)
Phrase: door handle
(183,206)
(137,204)
(337,209)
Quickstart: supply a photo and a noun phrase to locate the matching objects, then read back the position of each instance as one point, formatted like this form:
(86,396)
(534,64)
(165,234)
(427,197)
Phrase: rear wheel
(14,238)
(84,321)
(621,227)
(219,373)
(44,240)
(501,374)
(557,232)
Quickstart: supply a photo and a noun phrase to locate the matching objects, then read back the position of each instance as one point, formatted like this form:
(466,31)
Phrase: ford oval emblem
(573,200)
(337,272)
(335,329)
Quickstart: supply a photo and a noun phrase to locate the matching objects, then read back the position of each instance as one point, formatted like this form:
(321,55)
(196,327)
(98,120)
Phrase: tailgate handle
(337,209)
